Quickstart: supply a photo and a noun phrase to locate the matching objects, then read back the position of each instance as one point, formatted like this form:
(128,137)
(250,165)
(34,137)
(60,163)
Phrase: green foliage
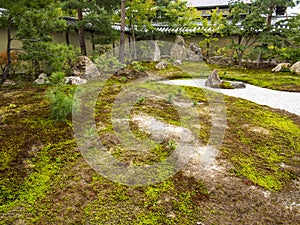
(249,29)
(211,29)
(172,144)
(137,65)
(179,15)
(57,78)
(50,57)
(107,64)
(139,15)
(61,101)
(284,41)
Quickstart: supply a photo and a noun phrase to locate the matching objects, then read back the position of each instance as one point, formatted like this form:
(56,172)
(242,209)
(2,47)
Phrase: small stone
(75,80)
(161,65)
(9,82)
(42,79)
(177,62)
(280,67)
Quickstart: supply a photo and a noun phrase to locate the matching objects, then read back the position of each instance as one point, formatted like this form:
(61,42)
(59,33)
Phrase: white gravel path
(289,101)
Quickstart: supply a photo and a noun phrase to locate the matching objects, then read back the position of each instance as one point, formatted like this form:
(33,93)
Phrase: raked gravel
(289,101)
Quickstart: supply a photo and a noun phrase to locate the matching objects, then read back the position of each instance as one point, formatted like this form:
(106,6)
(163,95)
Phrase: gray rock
(156,56)
(213,80)
(85,68)
(295,68)
(280,67)
(238,84)
(178,50)
(42,79)
(8,82)
(75,80)
(195,53)
(177,62)
(161,65)
(220,60)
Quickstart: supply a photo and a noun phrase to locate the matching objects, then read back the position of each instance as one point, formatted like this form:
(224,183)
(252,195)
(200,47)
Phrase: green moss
(44,179)
(259,154)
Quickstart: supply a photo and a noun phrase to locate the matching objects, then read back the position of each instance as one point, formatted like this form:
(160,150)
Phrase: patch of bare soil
(233,200)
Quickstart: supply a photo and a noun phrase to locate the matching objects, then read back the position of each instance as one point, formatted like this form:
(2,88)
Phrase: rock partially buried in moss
(75,80)
(42,79)
(130,73)
(296,68)
(214,81)
(9,82)
(281,67)
(161,65)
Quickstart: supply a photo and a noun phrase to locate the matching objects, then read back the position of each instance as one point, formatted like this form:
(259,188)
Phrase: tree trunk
(67,37)
(240,58)
(269,17)
(122,33)
(8,65)
(81,33)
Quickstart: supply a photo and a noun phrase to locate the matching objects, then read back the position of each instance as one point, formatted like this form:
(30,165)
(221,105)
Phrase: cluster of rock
(83,70)
(295,68)
(179,51)
(220,60)
(214,81)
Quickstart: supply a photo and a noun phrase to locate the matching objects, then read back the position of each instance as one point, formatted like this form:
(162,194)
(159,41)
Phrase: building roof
(210,3)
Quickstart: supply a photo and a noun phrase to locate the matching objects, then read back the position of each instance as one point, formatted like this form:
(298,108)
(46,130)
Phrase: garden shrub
(61,101)
(57,78)
(48,57)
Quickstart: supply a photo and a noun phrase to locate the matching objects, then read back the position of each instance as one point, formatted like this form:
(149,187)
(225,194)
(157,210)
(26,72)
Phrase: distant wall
(3,40)
(58,37)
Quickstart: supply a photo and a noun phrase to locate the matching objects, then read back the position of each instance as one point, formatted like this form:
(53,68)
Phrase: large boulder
(213,80)
(178,50)
(85,68)
(280,67)
(156,54)
(195,53)
(295,68)
(42,79)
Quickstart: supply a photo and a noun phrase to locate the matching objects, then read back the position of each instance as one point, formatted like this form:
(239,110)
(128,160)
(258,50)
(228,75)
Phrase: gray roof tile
(209,3)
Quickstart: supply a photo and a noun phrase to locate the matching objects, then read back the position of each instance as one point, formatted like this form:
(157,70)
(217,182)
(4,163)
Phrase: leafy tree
(95,15)
(138,16)
(269,6)
(244,32)
(284,39)
(35,20)
(211,29)
(181,17)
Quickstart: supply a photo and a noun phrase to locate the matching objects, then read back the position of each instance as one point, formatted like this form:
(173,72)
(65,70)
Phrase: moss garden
(45,180)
